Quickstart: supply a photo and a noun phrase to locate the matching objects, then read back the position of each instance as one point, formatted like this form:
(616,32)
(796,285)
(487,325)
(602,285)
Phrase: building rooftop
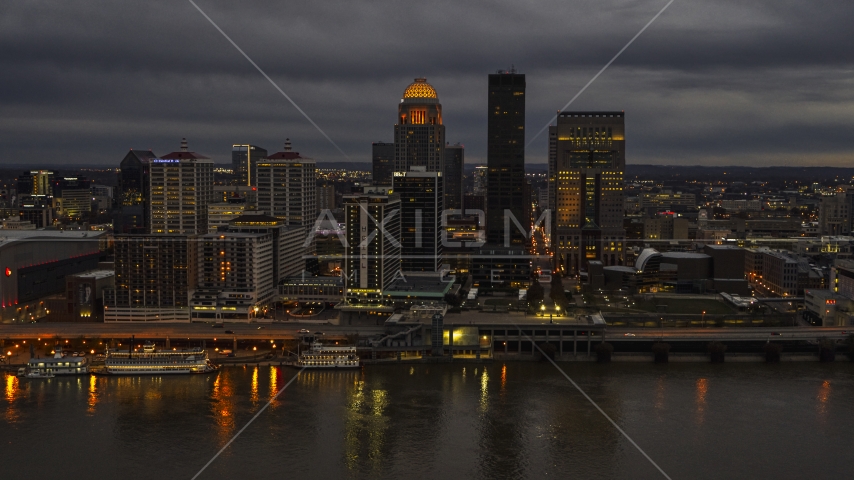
(420,89)
(253,220)
(96,274)
(182,156)
(419,286)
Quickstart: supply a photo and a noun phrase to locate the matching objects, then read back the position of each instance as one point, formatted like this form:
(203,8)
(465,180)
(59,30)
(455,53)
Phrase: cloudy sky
(713,82)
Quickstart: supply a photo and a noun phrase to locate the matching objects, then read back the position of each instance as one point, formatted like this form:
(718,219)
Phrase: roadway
(178,331)
(290,330)
(743,333)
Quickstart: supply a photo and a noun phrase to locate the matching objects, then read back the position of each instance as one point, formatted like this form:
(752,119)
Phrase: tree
(536,293)
(556,293)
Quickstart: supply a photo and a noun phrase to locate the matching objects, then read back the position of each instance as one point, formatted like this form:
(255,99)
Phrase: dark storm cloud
(716,82)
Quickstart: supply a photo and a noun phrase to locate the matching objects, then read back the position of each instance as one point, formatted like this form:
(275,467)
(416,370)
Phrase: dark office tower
(587,158)
(244,158)
(421,231)
(382,155)
(419,136)
(453,173)
(132,193)
(155,275)
(505,158)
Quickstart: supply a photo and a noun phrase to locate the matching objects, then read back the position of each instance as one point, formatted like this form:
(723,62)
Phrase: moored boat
(150,361)
(58,365)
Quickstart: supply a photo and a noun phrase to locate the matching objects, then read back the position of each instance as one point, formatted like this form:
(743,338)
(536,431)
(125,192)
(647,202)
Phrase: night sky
(765,82)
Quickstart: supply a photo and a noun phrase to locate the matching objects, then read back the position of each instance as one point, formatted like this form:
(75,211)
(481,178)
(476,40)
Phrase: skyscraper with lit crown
(419,136)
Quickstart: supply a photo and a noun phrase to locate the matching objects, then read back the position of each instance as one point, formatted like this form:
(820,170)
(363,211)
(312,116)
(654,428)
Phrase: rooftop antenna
(183,144)
(287,144)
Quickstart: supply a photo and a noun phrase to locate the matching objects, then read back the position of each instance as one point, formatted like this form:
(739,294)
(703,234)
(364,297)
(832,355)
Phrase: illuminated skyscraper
(287,189)
(419,136)
(587,160)
(244,159)
(181,187)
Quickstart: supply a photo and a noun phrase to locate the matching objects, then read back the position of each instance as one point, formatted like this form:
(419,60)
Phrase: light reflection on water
(702,389)
(10,394)
(497,421)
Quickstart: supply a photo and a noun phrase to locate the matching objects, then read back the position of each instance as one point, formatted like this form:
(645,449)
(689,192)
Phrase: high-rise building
(235,276)
(287,242)
(505,158)
(453,176)
(181,187)
(244,158)
(479,180)
(421,205)
(72,198)
(287,189)
(587,159)
(236,193)
(373,250)
(154,278)
(326,197)
(219,214)
(382,159)
(419,136)
(132,215)
(35,182)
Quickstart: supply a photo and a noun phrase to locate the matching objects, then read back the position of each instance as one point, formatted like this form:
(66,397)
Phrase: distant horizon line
(545,164)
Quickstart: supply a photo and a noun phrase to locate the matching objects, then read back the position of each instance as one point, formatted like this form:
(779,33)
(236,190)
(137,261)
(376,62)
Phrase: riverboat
(57,365)
(328,356)
(151,361)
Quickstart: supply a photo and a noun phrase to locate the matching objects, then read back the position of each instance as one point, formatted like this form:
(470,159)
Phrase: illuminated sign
(162,160)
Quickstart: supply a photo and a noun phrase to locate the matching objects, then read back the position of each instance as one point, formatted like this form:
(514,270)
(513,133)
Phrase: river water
(500,420)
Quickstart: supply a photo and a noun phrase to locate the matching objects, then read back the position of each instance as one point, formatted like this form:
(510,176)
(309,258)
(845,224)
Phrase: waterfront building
(586,167)
(453,176)
(180,192)
(310,288)
(154,278)
(244,158)
(83,299)
(34,264)
(505,153)
(372,254)
(419,136)
(421,208)
(382,159)
(132,215)
(235,276)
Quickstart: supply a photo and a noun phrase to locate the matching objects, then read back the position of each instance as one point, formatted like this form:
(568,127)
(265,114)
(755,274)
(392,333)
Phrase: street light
(704,318)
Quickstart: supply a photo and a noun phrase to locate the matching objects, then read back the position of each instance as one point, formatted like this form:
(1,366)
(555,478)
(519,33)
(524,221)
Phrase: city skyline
(688,82)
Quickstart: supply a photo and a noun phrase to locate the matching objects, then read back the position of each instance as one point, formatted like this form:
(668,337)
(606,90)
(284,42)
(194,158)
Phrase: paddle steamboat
(150,361)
